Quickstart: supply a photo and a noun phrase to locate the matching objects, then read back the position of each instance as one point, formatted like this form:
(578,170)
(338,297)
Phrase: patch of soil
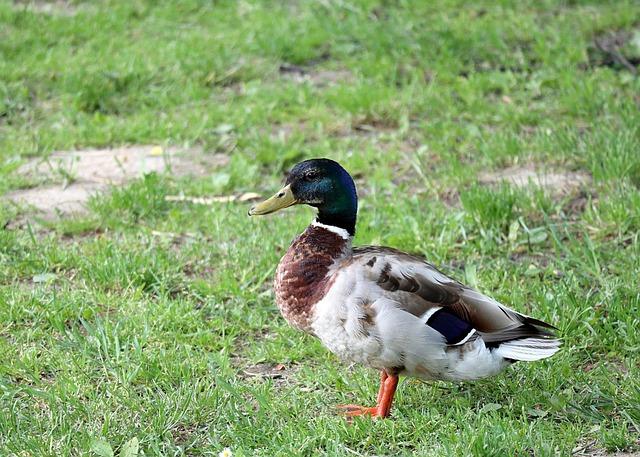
(536,264)
(590,448)
(54,200)
(52,8)
(73,177)
(316,77)
(558,183)
(578,204)
(617,49)
(362,127)
(182,433)
(265,370)
(539,260)
(450,197)
(522,63)
(279,373)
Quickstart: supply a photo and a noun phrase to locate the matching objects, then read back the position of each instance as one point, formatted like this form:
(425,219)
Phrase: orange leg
(384,406)
(383,378)
(388,385)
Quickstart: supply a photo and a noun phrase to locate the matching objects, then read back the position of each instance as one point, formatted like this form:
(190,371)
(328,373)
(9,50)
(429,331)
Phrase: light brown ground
(558,182)
(52,7)
(73,177)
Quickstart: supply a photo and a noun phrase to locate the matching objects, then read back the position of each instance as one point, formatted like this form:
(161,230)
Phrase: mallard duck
(384,308)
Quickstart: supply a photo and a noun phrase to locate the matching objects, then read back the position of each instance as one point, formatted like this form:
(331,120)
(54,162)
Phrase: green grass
(141,319)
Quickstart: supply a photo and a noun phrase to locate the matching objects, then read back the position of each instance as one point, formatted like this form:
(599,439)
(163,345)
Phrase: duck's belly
(351,341)
(348,337)
(396,340)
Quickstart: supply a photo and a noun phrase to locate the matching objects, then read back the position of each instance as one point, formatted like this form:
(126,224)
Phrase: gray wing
(418,288)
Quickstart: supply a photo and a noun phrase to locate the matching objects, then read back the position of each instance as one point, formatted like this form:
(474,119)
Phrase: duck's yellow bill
(282,199)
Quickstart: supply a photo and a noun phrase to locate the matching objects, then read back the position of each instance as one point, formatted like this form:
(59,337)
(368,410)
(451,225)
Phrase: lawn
(147,326)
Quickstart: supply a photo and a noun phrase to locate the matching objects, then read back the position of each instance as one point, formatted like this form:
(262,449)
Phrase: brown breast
(303,275)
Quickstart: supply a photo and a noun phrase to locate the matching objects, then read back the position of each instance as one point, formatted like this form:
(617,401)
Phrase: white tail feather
(528,349)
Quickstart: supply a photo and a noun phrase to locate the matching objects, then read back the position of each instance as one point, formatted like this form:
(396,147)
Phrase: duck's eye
(311,175)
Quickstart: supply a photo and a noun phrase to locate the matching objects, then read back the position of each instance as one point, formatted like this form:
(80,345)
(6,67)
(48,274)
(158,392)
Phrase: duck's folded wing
(447,305)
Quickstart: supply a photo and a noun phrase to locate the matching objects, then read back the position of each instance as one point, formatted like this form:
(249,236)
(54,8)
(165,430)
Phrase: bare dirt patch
(357,128)
(618,49)
(314,76)
(265,370)
(277,372)
(590,448)
(558,182)
(579,203)
(71,178)
(57,199)
(52,8)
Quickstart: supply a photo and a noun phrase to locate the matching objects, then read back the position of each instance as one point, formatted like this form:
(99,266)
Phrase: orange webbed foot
(350,411)
(388,384)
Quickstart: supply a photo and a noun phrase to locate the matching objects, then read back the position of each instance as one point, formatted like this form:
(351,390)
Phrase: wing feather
(418,287)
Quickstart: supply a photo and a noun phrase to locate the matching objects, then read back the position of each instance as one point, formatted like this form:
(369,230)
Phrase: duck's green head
(321,183)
